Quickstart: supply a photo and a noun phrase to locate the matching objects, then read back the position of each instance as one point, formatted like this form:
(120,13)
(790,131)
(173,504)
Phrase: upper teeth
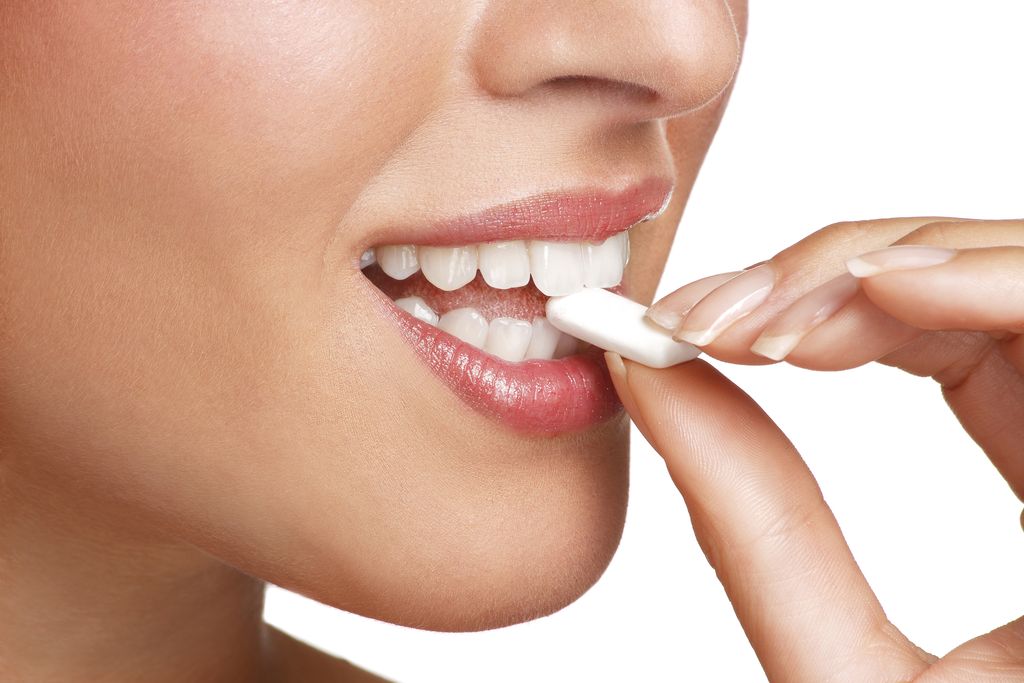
(505,264)
(557,268)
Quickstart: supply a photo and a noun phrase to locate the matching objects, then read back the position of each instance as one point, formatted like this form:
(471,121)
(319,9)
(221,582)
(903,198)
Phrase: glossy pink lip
(541,396)
(538,396)
(588,215)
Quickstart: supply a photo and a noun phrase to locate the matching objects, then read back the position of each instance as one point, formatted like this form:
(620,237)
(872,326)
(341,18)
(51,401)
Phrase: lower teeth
(510,339)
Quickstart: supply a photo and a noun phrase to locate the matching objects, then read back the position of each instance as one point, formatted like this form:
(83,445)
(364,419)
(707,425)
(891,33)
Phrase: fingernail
(721,308)
(803,315)
(616,368)
(669,311)
(620,378)
(899,257)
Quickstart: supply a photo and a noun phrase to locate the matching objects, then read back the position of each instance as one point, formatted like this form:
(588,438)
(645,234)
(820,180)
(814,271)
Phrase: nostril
(596,85)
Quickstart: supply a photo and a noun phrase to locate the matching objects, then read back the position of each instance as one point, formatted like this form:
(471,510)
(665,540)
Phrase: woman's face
(188,339)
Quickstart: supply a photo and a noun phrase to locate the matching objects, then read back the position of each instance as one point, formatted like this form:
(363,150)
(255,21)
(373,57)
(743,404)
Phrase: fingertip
(669,311)
(898,258)
(664,317)
(620,380)
(615,366)
(803,316)
(972,289)
(671,401)
(775,347)
(665,402)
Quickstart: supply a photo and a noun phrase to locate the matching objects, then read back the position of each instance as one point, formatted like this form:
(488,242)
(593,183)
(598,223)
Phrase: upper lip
(590,214)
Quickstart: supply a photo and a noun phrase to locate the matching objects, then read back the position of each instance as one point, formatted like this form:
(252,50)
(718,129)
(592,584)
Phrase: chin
(513,543)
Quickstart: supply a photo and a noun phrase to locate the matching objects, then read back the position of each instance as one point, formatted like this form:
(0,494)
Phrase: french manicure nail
(721,308)
(669,311)
(899,257)
(804,315)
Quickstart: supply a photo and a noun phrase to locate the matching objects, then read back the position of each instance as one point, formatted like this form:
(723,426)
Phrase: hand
(950,307)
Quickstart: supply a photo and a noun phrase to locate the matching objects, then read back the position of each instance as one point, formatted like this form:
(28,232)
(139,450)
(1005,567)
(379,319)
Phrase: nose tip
(660,58)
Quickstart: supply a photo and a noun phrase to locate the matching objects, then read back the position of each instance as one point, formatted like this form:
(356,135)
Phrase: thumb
(936,288)
(761,520)
(979,290)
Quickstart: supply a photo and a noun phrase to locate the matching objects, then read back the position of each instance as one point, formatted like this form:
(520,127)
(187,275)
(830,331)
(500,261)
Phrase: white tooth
(543,340)
(567,345)
(557,267)
(505,264)
(448,268)
(508,338)
(398,261)
(603,263)
(467,324)
(367,259)
(417,308)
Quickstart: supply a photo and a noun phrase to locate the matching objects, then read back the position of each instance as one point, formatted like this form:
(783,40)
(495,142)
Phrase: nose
(647,59)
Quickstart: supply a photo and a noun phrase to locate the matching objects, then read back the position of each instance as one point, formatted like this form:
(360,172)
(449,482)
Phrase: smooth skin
(198,393)
(801,598)
(190,405)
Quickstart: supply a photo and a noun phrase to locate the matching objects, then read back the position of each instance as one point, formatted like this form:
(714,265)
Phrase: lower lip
(537,397)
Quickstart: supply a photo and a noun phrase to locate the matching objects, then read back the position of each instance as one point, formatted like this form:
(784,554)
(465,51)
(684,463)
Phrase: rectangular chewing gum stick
(618,324)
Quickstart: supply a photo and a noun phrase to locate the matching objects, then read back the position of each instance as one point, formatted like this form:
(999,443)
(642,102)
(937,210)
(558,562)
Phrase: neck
(87,597)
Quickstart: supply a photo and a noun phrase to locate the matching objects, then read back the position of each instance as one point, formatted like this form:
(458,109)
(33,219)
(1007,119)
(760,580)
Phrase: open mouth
(492,295)
(475,311)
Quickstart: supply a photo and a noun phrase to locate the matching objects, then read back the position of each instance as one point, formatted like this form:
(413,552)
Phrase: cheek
(164,299)
(216,120)
(181,167)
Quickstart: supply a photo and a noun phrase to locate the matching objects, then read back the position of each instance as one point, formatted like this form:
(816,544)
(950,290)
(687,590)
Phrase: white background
(842,110)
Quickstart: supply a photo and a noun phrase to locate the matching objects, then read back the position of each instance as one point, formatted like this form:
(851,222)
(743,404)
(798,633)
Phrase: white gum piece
(618,324)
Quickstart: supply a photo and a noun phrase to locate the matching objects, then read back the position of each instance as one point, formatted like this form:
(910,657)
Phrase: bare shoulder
(297,662)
